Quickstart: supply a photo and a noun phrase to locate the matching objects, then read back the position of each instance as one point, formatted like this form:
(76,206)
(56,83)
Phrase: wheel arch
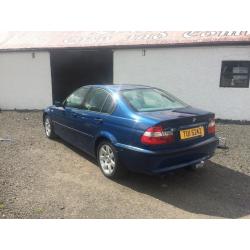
(104,136)
(44,114)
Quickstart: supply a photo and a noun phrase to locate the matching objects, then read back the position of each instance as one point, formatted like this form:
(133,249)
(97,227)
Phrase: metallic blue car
(133,127)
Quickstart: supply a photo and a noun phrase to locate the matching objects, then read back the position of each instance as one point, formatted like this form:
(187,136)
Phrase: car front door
(68,118)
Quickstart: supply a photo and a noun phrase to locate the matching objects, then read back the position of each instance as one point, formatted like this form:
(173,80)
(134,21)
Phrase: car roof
(117,87)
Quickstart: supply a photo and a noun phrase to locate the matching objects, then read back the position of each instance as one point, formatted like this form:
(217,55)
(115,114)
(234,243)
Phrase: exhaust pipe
(200,165)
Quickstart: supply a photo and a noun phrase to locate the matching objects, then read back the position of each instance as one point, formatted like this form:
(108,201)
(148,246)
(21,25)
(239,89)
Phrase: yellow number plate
(192,132)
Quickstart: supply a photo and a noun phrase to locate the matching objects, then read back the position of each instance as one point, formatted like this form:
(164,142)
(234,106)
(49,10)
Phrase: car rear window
(151,99)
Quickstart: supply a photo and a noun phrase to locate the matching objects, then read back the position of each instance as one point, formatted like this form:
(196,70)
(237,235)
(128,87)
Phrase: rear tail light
(157,136)
(211,126)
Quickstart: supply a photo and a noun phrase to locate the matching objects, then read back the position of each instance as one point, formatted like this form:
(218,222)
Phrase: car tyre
(191,168)
(48,127)
(108,161)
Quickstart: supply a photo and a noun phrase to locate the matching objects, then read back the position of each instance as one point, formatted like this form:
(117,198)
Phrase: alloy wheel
(47,127)
(107,159)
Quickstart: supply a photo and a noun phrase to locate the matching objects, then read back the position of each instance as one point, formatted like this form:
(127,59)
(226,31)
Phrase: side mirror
(58,104)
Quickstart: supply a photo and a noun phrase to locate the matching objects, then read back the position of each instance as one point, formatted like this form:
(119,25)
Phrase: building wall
(25,82)
(191,73)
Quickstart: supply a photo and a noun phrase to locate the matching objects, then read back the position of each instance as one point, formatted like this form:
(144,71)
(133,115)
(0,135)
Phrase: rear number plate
(192,132)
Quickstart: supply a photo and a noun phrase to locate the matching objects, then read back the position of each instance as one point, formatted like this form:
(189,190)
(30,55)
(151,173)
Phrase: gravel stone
(42,178)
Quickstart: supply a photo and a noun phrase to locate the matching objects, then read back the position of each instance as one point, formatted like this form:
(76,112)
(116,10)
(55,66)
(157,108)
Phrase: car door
(68,118)
(93,115)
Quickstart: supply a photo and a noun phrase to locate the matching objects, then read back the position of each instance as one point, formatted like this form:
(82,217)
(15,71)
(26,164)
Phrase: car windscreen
(151,99)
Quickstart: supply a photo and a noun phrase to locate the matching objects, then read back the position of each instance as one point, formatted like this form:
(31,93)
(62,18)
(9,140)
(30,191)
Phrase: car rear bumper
(157,162)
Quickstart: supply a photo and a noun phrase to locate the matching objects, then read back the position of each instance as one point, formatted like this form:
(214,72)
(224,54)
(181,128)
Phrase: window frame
(222,74)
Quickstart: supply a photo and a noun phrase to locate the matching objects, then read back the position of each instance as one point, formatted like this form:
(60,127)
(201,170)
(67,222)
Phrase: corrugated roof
(84,39)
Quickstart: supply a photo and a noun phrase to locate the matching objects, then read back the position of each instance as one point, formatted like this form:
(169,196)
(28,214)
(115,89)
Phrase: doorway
(74,68)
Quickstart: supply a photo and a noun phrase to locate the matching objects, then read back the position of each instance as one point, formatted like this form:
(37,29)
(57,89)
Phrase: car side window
(109,105)
(95,100)
(76,99)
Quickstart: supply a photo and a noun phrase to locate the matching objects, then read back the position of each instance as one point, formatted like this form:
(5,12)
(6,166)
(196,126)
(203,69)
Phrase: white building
(209,70)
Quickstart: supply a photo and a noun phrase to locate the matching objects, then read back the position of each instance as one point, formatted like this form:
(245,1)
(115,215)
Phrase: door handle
(98,120)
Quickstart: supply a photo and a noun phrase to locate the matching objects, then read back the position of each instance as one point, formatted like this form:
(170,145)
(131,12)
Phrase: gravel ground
(41,178)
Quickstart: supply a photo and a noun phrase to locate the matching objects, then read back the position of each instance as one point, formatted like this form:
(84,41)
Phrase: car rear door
(94,118)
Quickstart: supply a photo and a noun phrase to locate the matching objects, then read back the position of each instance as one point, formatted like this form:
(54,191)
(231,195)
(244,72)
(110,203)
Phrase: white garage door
(25,80)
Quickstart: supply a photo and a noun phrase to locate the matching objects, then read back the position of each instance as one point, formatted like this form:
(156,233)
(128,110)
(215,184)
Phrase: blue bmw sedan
(133,127)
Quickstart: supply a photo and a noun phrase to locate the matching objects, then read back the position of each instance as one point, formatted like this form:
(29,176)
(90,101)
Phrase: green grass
(38,210)
(1,205)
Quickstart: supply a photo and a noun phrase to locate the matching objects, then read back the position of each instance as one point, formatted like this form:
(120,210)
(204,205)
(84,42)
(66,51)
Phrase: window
(235,74)
(76,99)
(108,105)
(95,100)
(150,99)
